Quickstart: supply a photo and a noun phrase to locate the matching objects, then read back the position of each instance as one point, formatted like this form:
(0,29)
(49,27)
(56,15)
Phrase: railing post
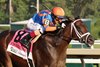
(82,61)
(37,6)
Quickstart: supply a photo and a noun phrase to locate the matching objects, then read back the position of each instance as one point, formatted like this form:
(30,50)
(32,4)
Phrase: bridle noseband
(80,36)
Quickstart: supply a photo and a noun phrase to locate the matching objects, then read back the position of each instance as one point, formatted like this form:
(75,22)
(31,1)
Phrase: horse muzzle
(90,40)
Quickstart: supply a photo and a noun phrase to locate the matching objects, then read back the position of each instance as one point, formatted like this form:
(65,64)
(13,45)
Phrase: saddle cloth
(16,48)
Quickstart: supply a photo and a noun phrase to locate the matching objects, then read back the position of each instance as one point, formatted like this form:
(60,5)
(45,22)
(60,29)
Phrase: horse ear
(78,17)
(69,19)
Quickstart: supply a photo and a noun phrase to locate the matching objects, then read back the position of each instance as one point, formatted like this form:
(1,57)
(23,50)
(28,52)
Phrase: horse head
(79,31)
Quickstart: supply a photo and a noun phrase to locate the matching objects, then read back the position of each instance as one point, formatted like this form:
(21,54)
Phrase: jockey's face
(57,19)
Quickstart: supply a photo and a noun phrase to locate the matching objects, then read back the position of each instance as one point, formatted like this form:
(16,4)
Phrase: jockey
(45,20)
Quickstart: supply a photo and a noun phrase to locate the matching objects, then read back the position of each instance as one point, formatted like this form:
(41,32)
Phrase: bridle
(80,36)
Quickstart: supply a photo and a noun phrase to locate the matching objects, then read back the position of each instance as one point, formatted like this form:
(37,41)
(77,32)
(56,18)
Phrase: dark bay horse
(50,49)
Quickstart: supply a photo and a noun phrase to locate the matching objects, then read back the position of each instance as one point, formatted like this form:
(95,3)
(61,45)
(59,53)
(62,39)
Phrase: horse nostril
(90,40)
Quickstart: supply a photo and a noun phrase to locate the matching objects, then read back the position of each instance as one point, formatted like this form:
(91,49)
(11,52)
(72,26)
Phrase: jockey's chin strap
(80,36)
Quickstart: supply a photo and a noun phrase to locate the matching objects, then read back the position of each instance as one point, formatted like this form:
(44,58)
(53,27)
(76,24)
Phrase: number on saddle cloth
(21,34)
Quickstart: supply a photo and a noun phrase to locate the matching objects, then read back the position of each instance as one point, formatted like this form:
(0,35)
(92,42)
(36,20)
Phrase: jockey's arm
(50,28)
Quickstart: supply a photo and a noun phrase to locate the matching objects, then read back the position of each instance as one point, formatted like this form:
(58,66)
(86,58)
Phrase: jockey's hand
(59,26)
(63,25)
(37,32)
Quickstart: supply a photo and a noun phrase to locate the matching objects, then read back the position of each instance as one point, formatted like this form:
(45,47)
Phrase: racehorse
(50,49)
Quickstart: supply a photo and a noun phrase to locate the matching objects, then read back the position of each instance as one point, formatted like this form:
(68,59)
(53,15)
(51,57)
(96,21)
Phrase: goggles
(60,17)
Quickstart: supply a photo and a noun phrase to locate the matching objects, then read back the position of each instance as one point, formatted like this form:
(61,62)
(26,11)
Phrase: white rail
(76,42)
(2,25)
(95,61)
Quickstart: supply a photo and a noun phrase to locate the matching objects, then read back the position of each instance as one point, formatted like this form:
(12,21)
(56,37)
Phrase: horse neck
(60,41)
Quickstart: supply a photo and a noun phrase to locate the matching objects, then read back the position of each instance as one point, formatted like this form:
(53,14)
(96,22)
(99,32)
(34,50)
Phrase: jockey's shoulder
(44,12)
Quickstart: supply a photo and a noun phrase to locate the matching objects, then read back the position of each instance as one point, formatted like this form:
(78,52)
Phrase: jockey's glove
(59,26)
(63,25)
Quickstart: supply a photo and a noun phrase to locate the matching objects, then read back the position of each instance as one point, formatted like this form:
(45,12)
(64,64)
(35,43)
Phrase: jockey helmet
(58,11)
